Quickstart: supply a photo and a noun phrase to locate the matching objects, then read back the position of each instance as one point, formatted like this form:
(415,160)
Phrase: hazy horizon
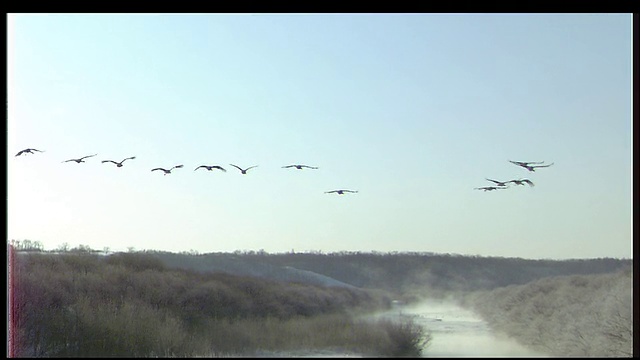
(413,111)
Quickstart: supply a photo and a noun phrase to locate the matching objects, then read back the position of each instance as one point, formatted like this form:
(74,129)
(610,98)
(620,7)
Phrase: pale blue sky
(412,110)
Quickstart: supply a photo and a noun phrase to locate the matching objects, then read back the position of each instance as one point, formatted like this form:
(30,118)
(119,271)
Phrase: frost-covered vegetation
(411,276)
(83,302)
(577,315)
(84,305)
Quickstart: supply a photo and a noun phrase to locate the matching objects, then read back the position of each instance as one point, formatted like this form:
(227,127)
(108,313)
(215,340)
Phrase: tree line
(573,315)
(132,304)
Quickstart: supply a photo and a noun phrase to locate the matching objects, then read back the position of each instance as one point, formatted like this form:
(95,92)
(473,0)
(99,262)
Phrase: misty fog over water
(458,332)
(455,332)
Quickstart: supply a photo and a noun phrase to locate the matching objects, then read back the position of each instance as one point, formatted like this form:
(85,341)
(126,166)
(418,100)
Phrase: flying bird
(244,171)
(340,192)
(299,167)
(499,183)
(528,166)
(119,164)
(81,159)
(167,171)
(522,181)
(28,151)
(210,168)
(490,188)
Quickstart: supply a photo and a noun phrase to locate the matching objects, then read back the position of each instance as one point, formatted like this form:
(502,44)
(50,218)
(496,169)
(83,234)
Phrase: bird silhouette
(28,151)
(299,167)
(81,159)
(529,167)
(522,182)
(119,164)
(244,171)
(499,183)
(490,188)
(167,171)
(340,192)
(210,168)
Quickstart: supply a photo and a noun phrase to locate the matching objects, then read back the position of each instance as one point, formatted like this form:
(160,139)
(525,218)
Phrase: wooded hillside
(576,315)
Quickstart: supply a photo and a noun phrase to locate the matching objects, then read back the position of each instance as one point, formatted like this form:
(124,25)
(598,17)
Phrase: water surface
(458,332)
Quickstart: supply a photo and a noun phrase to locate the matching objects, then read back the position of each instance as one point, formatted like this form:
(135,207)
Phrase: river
(458,332)
(455,332)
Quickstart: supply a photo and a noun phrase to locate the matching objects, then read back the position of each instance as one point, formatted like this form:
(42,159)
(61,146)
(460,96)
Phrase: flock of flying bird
(531,166)
(505,184)
(168,171)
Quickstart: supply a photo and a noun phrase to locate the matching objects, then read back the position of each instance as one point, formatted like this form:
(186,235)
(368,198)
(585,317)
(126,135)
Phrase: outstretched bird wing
(201,166)
(165,170)
(528,182)
(251,167)
(284,167)
(88,156)
(176,167)
(525,163)
(104,161)
(539,166)
(129,158)
(219,167)
(236,166)
(496,181)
